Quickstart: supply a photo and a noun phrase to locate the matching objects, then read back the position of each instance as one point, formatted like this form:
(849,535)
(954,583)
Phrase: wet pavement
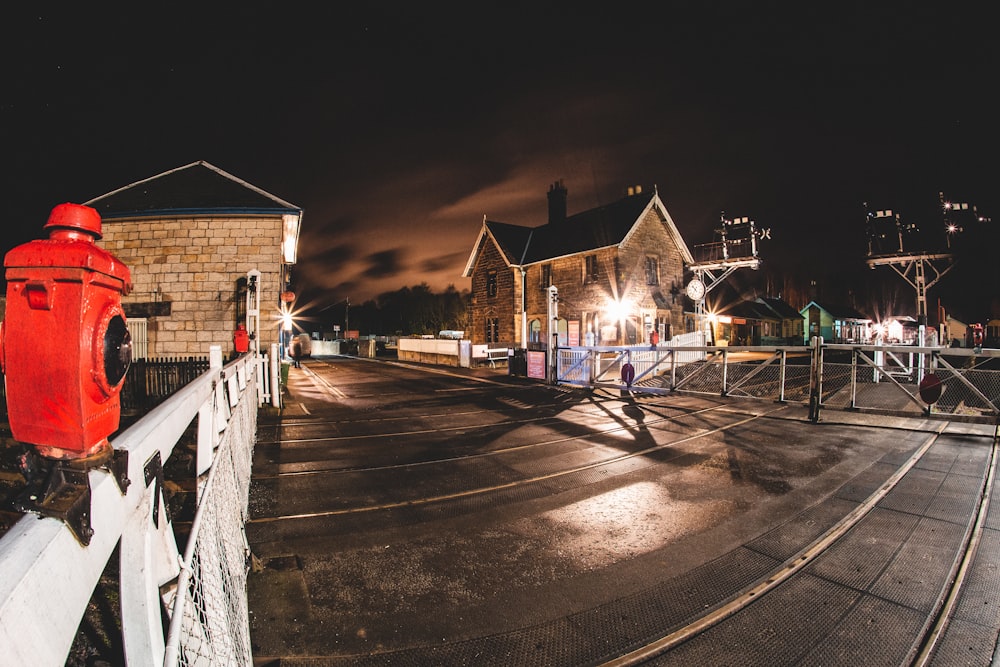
(411,515)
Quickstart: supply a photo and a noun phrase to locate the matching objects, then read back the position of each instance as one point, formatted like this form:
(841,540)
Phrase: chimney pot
(557,202)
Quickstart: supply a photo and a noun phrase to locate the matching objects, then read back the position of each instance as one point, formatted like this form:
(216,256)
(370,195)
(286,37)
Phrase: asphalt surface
(414,515)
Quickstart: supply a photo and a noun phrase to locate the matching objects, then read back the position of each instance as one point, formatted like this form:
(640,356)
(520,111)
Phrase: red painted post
(64,345)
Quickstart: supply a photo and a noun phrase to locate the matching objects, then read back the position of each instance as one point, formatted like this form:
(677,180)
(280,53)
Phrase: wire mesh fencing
(210,622)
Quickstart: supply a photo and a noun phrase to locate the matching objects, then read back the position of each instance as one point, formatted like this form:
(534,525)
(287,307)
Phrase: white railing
(596,365)
(47,577)
(903,380)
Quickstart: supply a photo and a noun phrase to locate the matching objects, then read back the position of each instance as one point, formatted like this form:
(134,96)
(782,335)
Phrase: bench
(495,354)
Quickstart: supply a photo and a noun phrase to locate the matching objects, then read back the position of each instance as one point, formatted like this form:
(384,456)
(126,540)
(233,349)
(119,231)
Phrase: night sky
(398,126)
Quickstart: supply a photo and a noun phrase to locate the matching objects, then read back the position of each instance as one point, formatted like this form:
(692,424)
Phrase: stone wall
(499,305)
(620,277)
(185,272)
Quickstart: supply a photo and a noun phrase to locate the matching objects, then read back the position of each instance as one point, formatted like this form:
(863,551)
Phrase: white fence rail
(47,577)
(879,379)
(602,365)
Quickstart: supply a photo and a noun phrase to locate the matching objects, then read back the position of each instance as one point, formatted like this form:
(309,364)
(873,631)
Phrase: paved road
(418,516)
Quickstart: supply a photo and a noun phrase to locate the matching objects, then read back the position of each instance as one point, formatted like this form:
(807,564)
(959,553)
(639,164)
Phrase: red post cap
(76,217)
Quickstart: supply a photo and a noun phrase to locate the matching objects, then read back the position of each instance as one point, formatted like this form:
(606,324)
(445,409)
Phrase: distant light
(290,237)
(617,311)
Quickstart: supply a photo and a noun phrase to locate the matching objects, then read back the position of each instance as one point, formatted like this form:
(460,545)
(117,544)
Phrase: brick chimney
(557,202)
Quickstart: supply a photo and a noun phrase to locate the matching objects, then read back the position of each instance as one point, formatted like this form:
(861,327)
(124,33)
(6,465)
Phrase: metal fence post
(275,377)
(815,378)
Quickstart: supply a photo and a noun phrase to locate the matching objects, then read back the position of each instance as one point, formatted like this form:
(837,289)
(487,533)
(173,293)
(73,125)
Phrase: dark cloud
(398,126)
(384,264)
(445,262)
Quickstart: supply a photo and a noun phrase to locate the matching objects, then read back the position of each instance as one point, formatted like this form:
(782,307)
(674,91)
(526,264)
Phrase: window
(492,329)
(491,283)
(590,269)
(652,271)
(545,279)
(535,331)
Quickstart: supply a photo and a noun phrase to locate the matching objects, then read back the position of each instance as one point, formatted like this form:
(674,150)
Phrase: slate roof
(597,228)
(590,230)
(511,239)
(198,188)
(780,307)
(751,310)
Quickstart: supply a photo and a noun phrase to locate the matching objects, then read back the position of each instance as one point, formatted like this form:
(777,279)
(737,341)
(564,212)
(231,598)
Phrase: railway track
(880,555)
(922,650)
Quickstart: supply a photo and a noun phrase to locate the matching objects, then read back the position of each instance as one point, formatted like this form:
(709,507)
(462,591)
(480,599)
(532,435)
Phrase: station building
(190,236)
(618,271)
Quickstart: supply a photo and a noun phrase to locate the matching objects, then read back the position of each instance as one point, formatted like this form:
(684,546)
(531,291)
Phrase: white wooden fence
(47,577)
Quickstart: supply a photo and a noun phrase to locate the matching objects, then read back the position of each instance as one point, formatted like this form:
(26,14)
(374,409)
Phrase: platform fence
(895,380)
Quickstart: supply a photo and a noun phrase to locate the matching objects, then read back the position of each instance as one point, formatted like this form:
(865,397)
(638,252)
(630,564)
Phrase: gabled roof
(751,310)
(839,311)
(780,307)
(198,188)
(512,240)
(590,230)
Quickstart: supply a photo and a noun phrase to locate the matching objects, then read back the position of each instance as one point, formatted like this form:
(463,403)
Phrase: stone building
(190,236)
(618,270)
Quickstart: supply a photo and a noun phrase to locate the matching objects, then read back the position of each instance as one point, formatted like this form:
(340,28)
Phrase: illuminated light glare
(616,311)
(624,523)
(290,237)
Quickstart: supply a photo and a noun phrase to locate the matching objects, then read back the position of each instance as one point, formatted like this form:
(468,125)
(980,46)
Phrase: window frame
(492,281)
(652,270)
(591,269)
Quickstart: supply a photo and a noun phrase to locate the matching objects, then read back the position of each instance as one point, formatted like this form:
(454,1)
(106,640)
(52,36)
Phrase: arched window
(562,326)
(535,331)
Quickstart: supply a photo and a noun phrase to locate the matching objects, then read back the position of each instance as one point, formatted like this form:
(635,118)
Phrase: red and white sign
(536,365)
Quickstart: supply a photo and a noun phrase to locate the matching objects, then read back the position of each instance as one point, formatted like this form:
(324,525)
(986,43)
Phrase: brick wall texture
(621,276)
(194,264)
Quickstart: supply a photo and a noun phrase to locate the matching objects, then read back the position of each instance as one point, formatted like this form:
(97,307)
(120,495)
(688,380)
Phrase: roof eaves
(194,212)
(475,251)
(208,166)
(572,254)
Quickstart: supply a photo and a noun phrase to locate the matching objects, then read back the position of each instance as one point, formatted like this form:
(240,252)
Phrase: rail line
(534,479)
(465,457)
(922,652)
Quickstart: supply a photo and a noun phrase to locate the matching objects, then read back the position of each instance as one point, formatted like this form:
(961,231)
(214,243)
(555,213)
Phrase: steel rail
(779,575)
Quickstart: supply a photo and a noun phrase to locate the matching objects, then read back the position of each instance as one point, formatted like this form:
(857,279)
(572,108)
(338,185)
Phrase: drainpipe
(524,311)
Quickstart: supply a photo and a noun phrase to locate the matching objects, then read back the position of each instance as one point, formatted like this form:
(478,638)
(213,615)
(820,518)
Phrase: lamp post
(553,347)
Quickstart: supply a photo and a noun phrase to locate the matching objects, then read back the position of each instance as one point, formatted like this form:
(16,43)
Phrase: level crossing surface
(419,515)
